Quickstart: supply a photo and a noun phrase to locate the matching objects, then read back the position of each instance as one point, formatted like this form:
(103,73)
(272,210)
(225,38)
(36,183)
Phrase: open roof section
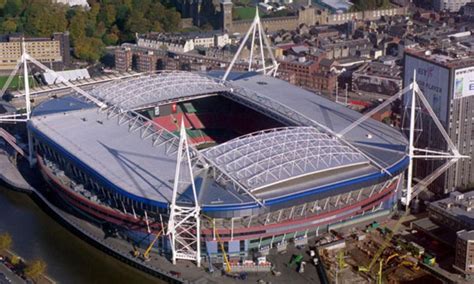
(157,88)
(268,157)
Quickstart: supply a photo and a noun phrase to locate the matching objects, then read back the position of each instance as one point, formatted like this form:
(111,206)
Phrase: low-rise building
(123,59)
(464,258)
(449,5)
(311,72)
(182,43)
(455,212)
(53,51)
(376,77)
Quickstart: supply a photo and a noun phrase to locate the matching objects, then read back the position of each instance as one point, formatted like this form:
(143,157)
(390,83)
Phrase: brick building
(311,72)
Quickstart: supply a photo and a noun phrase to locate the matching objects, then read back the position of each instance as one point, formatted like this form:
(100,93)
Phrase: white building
(71,3)
(449,5)
(182,43)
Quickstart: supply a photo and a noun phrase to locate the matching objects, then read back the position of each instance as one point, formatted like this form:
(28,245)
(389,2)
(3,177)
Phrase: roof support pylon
(184,228)
(451,157)
(255,29)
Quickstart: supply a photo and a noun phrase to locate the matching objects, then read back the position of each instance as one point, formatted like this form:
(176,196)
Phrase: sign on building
(464,83)
(433,81)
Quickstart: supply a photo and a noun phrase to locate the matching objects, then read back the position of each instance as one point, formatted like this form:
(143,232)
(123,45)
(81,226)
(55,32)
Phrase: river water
(70,259)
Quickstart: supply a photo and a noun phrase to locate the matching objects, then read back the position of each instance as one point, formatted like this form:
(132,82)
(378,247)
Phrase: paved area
(10,174)
(15,279)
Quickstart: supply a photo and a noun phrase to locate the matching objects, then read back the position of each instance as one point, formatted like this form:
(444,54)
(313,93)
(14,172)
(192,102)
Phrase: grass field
(16,82)
(245,13)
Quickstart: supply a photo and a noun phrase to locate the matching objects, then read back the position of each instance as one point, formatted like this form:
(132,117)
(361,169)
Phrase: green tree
(5,241)
(35,269)
(9,26)
(44,18)
(12,7)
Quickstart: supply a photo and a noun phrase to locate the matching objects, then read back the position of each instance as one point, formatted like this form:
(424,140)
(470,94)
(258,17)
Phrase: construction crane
(379,273)
(340,257)
(228,269)
(387,241)
(146,254)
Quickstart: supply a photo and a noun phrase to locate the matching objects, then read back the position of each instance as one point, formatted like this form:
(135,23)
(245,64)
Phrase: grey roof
(382,143)
(124,155)
(273,156)
(111,151)
(141,91)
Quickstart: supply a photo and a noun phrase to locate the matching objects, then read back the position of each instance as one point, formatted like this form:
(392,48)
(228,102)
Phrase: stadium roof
(379,142)
(158,88)
(275,165)
(277,155)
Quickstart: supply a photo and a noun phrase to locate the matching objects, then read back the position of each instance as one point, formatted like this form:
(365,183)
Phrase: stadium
(269,163)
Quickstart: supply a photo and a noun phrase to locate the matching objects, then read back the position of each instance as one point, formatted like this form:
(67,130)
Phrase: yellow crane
(386,242)
(379,273)
(340,257)
(228,269)
(146,254)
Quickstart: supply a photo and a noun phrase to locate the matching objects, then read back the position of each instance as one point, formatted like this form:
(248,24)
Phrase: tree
(12,7)
(35,269)
(9,26)
(5,241)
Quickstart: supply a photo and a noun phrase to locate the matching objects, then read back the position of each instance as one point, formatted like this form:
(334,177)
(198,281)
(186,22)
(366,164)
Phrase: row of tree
(107,22)
(33,270)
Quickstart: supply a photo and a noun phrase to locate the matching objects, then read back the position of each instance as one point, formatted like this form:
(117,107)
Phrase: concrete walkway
(10,174)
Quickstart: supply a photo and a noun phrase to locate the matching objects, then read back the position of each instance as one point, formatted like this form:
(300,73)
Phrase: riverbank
(42,279)
(69,258)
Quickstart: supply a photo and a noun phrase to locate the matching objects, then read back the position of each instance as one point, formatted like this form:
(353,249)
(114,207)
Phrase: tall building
(53,52)
(464,259)
(446,78)
(123,59)
(449,5)
(226,14)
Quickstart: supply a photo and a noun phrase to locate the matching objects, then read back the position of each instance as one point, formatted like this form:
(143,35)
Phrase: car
(9,266)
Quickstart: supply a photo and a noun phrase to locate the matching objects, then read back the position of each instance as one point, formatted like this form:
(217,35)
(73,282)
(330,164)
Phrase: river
(70,260)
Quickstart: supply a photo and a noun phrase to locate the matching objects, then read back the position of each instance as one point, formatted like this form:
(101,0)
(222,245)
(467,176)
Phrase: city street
(15,279)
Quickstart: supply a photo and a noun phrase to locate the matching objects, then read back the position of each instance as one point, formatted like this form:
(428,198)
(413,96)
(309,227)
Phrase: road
(12,276)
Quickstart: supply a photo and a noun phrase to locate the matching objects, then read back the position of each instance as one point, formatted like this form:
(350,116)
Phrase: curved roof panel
(277,155)
(135,92)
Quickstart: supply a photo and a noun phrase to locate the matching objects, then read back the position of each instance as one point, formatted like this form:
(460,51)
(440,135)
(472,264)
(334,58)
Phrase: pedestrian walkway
(10,174)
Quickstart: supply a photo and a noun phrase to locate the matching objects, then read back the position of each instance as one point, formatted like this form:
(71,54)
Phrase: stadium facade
(267,162)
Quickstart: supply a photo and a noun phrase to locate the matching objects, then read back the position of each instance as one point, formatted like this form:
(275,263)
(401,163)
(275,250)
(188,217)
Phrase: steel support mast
(258,34)
(184,230)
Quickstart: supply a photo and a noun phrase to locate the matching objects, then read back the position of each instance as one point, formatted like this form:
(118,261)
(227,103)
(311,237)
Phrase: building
(274,169)
(468,10)
(455,212)
(464,259)
(53,52)
(449,5)
(336,6)
(123,59)
(182,43)
(376,77)
(446,78)
(310,72)
(72,3)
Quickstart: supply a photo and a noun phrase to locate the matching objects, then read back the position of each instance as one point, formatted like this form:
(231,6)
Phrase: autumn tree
(5,241)
(35,269)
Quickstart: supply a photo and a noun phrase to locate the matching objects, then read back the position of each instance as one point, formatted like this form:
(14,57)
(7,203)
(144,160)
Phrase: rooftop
(458,205)
(123,154)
